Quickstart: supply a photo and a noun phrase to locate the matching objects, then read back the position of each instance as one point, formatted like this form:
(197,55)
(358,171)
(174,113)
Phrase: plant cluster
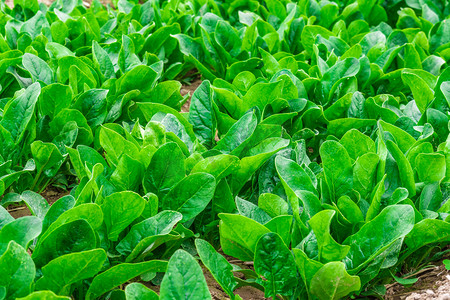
(316,147)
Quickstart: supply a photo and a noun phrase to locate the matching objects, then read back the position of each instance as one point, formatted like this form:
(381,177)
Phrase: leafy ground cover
(315,148)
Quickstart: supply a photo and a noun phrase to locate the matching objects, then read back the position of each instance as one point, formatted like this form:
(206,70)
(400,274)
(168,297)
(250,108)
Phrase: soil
(433,283)
(189,89)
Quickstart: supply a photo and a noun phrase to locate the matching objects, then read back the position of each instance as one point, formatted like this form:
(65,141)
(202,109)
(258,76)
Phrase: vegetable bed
(311,162)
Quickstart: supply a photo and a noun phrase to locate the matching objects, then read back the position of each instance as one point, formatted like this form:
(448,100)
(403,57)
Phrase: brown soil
(189,89)
(433,283)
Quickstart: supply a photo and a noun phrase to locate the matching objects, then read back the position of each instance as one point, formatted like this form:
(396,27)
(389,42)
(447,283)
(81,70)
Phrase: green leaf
(338,169)
(44,295)
(404,167)
(191,195)
(93,105)
(357,144)
(220,268)
(396,221)
(60,273)
(422,93)
(329,249)
(70,237)
(184,279)
(37,204)
(120,274)
(146,232)
(426,232)
(32,5)
(219,166)
(19,111)
(128,173)
(201,114)
(18,271)
(47,157)
(405,281)
(120,210)
(65,212)
(333,282)
(430,167)
(22,231)
(5,217)
(238,135)
(262,94)
(54,98)
(38,68)
(273,204)
(447,264)
(137,291)
(364,172)
(239,235)
(102,61)
(275,263)
(165,170)
(116,145)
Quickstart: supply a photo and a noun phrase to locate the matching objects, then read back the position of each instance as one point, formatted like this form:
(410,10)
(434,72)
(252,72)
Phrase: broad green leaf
(165,170)
(70,237)
(357,144)
(120,274)
(54,98)
(137,291)
(93,105)
(47,157)
(201,114)
(19,111)
(147,230)
(191,195)
(38,68)
(22,231)
(37,204)
(219,267)
(364,172)
(252,211)
(120,210)
(396,221)
(184,279)
(262,94)
(239,235)
(18,271)
(238,135)
(333,282)
(68,269)
(329,249)
(430,167)
(275,263)
(102,61)
(219,166)
(338,169)
(5,217)
(273,204)
(44,295)
(426,232)
(423,95)
(66,212)
(406,172)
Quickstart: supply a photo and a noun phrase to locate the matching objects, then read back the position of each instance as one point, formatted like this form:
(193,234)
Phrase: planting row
(316,147)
